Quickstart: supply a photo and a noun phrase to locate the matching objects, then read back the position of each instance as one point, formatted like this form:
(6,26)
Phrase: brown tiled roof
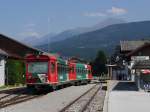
(145,64)
(14,48)
(132,45)
(145,45)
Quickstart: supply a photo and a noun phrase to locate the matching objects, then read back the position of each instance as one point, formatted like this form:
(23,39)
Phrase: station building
(139,64)
(12,49)
(122,59)
(3,56)
(133,63)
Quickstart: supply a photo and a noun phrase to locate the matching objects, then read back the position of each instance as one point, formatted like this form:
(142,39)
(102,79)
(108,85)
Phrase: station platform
(125,97)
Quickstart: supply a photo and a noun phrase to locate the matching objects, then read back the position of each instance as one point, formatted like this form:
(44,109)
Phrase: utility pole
(48,33)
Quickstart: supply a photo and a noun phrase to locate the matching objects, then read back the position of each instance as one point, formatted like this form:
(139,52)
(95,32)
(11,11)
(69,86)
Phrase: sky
(26,18)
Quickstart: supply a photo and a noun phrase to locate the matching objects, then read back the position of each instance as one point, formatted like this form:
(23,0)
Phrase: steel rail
(85,93)
(15,96)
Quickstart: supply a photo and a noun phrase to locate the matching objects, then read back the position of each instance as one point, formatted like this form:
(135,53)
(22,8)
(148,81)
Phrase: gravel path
(97,103)
(80,104)
(52,102)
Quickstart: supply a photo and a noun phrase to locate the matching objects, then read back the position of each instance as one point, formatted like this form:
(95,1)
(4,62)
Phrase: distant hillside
(86,45)
(37,40)
(72,32)
(51,37)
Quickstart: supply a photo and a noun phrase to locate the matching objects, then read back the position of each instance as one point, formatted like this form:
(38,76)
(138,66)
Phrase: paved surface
(129,101)
(52,102)
(124,97)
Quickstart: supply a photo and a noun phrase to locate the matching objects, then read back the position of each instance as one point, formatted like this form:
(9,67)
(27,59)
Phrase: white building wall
(2,72)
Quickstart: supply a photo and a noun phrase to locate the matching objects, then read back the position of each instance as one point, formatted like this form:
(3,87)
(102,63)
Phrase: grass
(10,86)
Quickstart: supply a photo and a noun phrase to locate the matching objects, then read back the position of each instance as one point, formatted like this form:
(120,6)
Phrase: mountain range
(55,37)
(86,45)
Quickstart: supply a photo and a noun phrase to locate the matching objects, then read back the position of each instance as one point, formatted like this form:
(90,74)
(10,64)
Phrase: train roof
(62,61)
(40,56)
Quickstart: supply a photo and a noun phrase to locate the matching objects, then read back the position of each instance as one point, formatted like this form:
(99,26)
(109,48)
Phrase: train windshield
(38,67)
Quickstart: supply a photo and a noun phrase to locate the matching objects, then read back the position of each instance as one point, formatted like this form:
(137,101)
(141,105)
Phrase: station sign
(139,58)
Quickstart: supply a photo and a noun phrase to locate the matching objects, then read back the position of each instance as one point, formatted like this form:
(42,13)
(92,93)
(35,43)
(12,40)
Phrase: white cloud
(117,11)
(29,31)
(94,14)
(113,11)
(29,34)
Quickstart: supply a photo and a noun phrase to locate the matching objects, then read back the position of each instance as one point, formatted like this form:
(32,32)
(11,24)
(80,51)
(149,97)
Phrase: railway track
(15,96)
(82,103)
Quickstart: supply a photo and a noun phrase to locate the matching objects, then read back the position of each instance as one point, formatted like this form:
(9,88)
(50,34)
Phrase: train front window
(38,67)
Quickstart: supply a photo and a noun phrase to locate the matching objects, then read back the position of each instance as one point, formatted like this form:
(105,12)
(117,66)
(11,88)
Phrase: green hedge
(15,72)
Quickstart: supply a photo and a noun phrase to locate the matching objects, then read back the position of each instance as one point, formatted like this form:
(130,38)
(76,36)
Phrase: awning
(145,71)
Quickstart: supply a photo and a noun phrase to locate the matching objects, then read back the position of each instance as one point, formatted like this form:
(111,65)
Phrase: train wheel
(61,86)
(31,87)
(77,83)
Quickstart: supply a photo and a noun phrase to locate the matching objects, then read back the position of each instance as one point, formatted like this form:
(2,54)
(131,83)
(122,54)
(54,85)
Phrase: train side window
(59,68)
(63,68)
(67,69)
(86,71)
(77,70)
(82,71)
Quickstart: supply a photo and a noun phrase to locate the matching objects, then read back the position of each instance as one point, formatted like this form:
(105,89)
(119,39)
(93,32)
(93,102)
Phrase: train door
(53,71)
(89,72)
(72,73)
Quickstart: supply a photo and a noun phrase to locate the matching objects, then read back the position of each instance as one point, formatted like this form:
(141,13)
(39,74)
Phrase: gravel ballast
(52,102)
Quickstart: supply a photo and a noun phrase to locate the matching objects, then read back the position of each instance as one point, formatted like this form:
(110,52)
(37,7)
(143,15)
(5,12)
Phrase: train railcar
(41,70)
(50,71)
(62,70)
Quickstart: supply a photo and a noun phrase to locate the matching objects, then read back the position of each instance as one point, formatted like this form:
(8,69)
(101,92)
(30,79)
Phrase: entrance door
(53,72)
